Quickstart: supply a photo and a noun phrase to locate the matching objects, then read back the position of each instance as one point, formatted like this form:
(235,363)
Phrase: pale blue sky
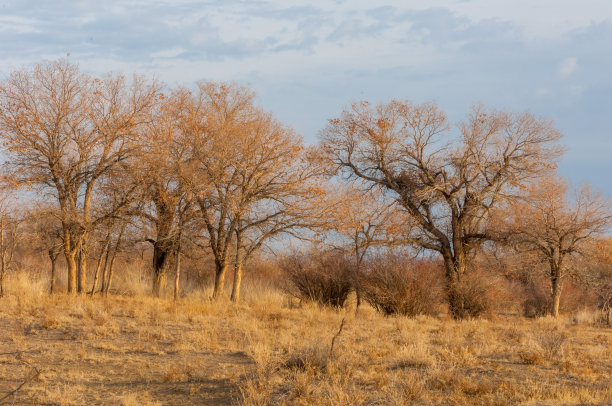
(308,59)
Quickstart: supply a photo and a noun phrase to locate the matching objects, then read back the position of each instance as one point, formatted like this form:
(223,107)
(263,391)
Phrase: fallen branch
(34,373)
(331,349)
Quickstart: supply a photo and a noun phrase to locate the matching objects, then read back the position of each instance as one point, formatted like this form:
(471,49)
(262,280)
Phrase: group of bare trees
(206,167)
(450,184)
(65,134)
(201,164)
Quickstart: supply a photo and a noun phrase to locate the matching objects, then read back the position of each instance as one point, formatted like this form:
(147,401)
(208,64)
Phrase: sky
(306,60)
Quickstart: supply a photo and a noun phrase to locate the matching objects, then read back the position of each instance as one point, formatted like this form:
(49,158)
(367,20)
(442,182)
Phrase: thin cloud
(567,67)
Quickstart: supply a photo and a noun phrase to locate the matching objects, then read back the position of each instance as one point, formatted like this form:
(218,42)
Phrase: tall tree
(63,131)
(279,193)
(446,183)
(556,226)
(211,172)
(167,201)
(250,177)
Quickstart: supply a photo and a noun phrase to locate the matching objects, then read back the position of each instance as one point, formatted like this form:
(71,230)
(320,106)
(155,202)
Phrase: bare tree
(167,202)
(365,219)
(63,131)
(250,177)
(447,184)
(115,246)
(556,226)
(280,194)
(8,225)
(228,114)
(102,259)
(47,236)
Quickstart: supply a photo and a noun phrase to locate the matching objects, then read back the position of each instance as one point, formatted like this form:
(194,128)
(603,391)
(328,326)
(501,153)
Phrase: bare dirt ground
(62,350)
(84,355)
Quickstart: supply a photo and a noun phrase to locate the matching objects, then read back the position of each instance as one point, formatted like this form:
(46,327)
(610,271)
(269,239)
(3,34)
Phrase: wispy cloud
(567,67)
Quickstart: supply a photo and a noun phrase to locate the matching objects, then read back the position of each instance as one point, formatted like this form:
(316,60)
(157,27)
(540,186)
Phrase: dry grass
(144,351)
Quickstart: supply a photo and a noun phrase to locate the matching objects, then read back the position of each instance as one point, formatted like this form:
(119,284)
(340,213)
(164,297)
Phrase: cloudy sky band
(308,59)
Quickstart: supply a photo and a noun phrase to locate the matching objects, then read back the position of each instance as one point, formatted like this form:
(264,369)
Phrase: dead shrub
(315,358)
(546,345)
(469,297)
(552,342)
(321,277)
(410,388)
(537,301)
(393,285)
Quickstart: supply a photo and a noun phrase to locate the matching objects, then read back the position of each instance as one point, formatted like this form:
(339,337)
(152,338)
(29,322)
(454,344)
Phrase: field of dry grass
(270,350)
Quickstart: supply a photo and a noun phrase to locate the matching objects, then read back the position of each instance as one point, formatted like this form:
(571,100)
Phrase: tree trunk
(220,270)
(556,295)
(110,272)
(82,269)
(159,282)
(72,272)
(357,277)
(98,266)
(177,262)
(53,258)
(455,268)
(70,254)
(177,274)
(235,297)
(84,237)
(3,255)
(161,255)
(105,270)
(112,261)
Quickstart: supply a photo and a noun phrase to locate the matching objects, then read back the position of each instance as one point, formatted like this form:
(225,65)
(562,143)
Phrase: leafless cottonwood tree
(279,192)
(228,112)
(250,177)
(115,245)
(105,246)
(366,219)
(447,183)
(63,130)
(110,241)
(556,226)
(167,203)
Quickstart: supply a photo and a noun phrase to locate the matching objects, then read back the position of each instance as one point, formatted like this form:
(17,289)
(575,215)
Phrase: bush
(322,277)
(392,285)
(469,298)
(482,292)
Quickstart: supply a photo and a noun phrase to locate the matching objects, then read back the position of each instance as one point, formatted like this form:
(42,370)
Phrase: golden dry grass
(268,350)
